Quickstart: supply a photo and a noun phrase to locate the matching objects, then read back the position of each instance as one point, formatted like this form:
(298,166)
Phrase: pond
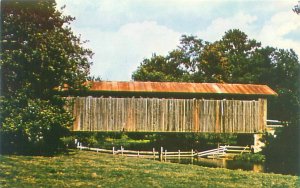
(235,165)
(221,163)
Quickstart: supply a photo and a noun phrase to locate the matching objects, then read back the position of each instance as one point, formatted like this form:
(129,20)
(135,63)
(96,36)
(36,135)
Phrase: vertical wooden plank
(194,117)
(234,116)
(264,113)
(158,111)
(227,116)
(76,113)
(184,116)
(201,116)
(222,116)
(147,114)
(163,114)
(106,107)
(217,110)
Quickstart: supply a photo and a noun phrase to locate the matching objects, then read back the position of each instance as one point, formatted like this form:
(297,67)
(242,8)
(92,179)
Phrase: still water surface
(221,163)
(235,165)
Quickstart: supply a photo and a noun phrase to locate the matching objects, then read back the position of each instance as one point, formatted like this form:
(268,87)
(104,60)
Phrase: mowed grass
(90,169)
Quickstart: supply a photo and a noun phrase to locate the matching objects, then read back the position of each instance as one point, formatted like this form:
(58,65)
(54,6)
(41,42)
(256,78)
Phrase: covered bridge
(172,107)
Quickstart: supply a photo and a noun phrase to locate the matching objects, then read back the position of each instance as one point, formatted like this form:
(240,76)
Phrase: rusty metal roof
(182,87)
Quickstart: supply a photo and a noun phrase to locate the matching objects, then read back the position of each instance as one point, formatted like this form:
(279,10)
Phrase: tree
(239,50)
(296,8)
(40,54)
(285,80)
(282,153)
(161,69)
(233,59)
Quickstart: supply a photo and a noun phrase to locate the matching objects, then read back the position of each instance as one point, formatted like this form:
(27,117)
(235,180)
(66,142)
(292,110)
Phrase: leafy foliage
(34,127)
(39,54)
(39,50)
(233,59)
(283,151)
(296,8)
(250,157)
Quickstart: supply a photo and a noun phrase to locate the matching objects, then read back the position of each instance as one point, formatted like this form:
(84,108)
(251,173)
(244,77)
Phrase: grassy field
(89,169)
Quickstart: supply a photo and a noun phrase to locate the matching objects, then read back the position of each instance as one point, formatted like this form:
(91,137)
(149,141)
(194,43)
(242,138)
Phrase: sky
(122,33)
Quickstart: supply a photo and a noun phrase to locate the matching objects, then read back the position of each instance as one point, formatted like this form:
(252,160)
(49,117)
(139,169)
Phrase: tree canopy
(233,59)
(39,50)
(40,54)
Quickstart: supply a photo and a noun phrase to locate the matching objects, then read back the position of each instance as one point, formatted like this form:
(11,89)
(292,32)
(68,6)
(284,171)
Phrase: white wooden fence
(222,151)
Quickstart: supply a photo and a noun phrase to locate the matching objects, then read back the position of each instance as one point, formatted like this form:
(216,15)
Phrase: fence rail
(214,152)
(221,151)
(237,149)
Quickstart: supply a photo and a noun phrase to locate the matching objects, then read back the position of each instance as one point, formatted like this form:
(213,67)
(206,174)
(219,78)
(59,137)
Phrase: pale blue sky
(124,32)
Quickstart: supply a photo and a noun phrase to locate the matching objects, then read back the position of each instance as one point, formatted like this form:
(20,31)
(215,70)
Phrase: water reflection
(221,163)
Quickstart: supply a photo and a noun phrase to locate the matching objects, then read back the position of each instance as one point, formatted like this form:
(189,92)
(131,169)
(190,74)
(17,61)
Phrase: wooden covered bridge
(172,107)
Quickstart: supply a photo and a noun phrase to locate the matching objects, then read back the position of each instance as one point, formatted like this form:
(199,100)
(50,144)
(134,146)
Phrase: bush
(33,126)
(283,151)
(69,142)
(250,157)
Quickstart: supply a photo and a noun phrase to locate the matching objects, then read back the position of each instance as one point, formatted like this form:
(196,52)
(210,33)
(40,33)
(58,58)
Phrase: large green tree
(39,54)
(39,50)
(233,59)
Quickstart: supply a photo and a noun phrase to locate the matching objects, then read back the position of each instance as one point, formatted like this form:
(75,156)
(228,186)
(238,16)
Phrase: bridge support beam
(258,144)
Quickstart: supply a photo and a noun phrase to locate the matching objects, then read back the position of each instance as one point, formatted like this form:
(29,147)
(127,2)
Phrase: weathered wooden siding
(168,115)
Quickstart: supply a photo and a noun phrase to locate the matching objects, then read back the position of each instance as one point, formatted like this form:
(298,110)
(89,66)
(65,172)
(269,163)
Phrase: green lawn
(89,169)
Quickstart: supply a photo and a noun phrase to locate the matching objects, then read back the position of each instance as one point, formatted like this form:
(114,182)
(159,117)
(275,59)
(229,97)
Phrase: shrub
(33,126)
(283,151)
(250,157)
(68,141)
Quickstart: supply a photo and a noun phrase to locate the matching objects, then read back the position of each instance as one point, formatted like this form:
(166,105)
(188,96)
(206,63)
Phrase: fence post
(179,155)
(218,154)
(138,153)
(113,150)
(166,155)
(161,153)
(153,153)
(192,158)
(122,150)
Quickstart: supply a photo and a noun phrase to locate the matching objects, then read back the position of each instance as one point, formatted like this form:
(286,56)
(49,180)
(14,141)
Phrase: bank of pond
(261,167)
(186,142)
(254,162)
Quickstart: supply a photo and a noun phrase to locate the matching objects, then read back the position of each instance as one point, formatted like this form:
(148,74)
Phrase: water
(221,163)
(238,165)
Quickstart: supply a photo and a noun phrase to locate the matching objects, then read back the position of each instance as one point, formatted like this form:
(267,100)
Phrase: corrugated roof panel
(257,89)
(217,88)
(208,88)
(224,90)
(123,86)
(240,88)
(230,89)
(131,86)
(174,87)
